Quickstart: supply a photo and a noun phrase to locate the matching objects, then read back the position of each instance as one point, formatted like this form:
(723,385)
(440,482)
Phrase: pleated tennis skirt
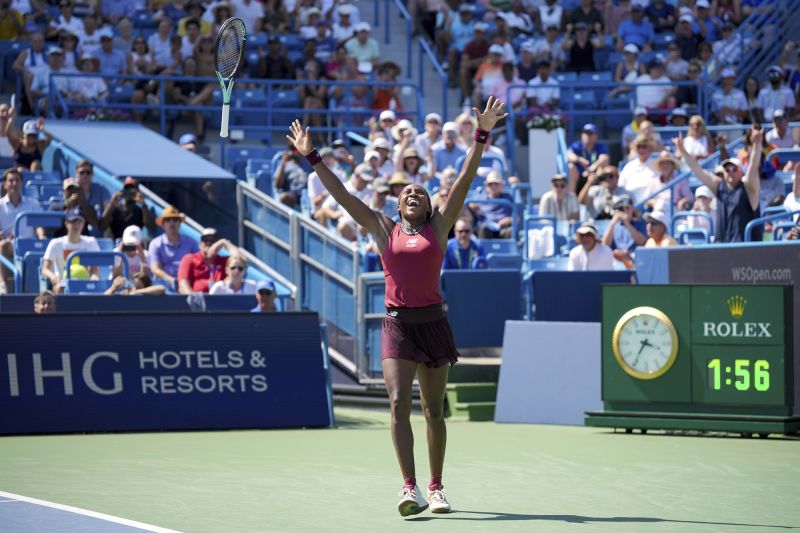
(419,334)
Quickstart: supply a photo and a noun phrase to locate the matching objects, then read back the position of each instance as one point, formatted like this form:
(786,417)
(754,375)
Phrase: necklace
(411,231)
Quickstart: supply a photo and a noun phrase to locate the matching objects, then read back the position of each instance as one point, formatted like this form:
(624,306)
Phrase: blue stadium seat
(584,100)
(292,41)
(9,50)
(257,40)
(693,236)
(29,270)
(236,158)
(601,62)
(663,39)
(562,77)
(43,191)
(143,19)
(42,176)
(104,259)
(507,261)
(285,100)
(121,94)
(780,230)
(500,246)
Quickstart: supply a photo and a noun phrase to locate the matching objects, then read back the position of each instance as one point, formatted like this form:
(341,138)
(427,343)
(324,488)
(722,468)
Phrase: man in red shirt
(201,269)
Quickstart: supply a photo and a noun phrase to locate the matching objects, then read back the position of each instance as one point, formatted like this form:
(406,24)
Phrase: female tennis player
(416,335)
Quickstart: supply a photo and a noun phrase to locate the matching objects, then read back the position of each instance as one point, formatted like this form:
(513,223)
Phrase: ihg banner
(83,372)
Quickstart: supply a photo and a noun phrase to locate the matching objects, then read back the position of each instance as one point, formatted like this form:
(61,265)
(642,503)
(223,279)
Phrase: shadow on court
(485,516)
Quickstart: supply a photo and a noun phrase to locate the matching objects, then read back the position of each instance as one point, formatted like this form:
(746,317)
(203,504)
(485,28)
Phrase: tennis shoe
(438,501)
(411,502)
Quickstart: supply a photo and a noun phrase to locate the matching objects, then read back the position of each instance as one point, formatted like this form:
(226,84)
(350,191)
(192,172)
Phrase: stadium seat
(500,246)
(121,94)
(292,41)
(143,19)
(42,176)
(29,269)
(663,39)
(693,236)
(779,231)
(584,100)
(91,259)
(285,107)
(507,261)
(236,158)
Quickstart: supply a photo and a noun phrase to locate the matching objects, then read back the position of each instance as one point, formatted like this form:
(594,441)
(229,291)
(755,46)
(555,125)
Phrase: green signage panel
(648,360)
(735,314)
(739,375)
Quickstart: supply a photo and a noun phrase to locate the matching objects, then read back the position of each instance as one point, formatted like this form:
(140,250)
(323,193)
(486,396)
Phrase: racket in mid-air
(228,57)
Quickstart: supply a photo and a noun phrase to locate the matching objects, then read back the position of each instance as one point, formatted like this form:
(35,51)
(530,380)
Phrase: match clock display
(645,343)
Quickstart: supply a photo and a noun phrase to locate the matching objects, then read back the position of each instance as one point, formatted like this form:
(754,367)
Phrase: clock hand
(643,343)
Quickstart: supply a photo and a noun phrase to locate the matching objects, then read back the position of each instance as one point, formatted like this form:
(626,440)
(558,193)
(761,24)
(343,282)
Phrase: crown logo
(736,306)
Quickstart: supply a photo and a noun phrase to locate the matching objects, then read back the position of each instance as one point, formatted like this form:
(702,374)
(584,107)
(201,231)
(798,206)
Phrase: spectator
(459,32)
(780,136)
(195,12)
(234,282)
(383,127)
(647,130)
(131,246)
(637,176)
(550,14)
(28,148)
(380,200)
(88,88)
(397,183)
(655,90)
(316,191)
(703,201)
(614,14)
(776,95)
(140,284)
(96,196)
(199,270)
(73,197)
(636,30)
(710,26)
(364,48)
(385,163)
(411,163)
(518,21)
(29,62)
(40,86)
(792,201)
(167,250)
(65,20)
(358,186)
(729,49)
(686,38)
(446,152)
(123,41)
(132,211)
(488,73)
(547,49)
(12,23)
(11,205)
(559,202)
(678,118)
(585,156)
(343,158)
(580,48)
(463,249)
(601,191)
(625,232)
(474,54)
(45,303)
(661,15)
(657,227)
(344,29)
(159,44)
(494,220)
(115,11)
(526,68)
(687,94)
(58,249)
(220,12)
(265,296)
(793,234)
(466,130)
(543,91)
(91,35)
(112,61)
(431,135)
(628,70)
(675,66)
(589,15)
(771,189)
(500,89)
(666,166)
(308,29)
(290,178)
(592,254)
(631,131)
(275,18)
(752,88)
(698,141)
(729,103)
(7,115)
(737,193)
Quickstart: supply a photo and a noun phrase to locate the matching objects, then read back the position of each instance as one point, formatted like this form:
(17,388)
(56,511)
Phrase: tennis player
(416,335)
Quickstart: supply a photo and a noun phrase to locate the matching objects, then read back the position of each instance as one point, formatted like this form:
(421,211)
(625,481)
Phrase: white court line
(86,512)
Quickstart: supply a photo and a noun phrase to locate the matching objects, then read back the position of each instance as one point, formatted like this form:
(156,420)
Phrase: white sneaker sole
(410,508)
(440,510)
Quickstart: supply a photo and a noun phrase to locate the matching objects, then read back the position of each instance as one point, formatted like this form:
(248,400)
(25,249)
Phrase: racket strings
(229,52)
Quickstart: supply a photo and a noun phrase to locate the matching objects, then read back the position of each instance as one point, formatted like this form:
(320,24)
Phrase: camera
(128,247)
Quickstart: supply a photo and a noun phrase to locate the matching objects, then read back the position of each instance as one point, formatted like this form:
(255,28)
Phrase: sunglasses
(172,220)
(84,172)
(237,268)
(208,241)
(559,185)
(464,231)
(265,291)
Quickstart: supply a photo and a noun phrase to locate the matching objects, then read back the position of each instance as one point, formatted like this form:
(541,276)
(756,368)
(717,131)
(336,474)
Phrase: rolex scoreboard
(700,357)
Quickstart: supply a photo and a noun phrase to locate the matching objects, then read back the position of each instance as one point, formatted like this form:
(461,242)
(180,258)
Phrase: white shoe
(438,501)
(411,502)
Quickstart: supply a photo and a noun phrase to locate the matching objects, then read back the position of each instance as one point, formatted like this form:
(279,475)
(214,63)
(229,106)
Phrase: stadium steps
(471,401)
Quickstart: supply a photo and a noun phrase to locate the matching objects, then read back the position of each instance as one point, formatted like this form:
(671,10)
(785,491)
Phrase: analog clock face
(645,343)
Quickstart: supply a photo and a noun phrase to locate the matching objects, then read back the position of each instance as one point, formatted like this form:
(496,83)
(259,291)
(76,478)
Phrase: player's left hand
(495,110)
(301,139)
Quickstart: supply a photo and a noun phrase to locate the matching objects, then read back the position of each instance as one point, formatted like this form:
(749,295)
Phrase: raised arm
(709,180)
(495,110)
(752,179)
(361,213)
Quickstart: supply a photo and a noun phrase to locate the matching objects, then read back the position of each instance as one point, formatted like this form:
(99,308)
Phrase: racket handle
(223,128)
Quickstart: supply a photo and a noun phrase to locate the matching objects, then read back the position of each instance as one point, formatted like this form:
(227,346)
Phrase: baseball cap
(266,286)
(130,182)
(527,46)
(678,112)
(655,62)
(703,191)
(450,127)
(494,177)
(74,214)
(639,111)
(558,177)
(622,201)
(30,128)
(325,151)
(496,49)
(733,161)
(188,138)
(380,142)
(657,216)
(372,153)
(581,26)
(631,48)
(379,185)
(208,232)
(589,128)
(106,36)
(69,182)
(55,50)
(686,18)
(363,26)
(636,6)
(727,72)
(132,235)
(345,9)
(388,114)
(587,228)
(480,26)
(774,69)
(465,8)
(702,4)
(433,116)
(365,172)
(779,113)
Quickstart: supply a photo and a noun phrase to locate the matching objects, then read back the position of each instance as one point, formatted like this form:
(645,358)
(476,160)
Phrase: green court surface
(498,478)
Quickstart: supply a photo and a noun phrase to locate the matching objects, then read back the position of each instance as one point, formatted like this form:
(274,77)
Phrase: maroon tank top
(412,265)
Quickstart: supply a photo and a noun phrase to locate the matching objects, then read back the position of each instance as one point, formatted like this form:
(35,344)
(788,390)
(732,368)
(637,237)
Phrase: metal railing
(425,51)
(753,224)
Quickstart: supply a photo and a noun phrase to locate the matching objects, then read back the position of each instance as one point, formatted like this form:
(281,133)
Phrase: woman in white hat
(666,166)
(657,230)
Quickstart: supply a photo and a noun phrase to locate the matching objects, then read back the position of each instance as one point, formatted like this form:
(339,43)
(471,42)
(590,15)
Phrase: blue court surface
(19,514)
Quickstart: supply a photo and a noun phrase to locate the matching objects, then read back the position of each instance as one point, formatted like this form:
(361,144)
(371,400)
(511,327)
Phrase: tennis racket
(228,56)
